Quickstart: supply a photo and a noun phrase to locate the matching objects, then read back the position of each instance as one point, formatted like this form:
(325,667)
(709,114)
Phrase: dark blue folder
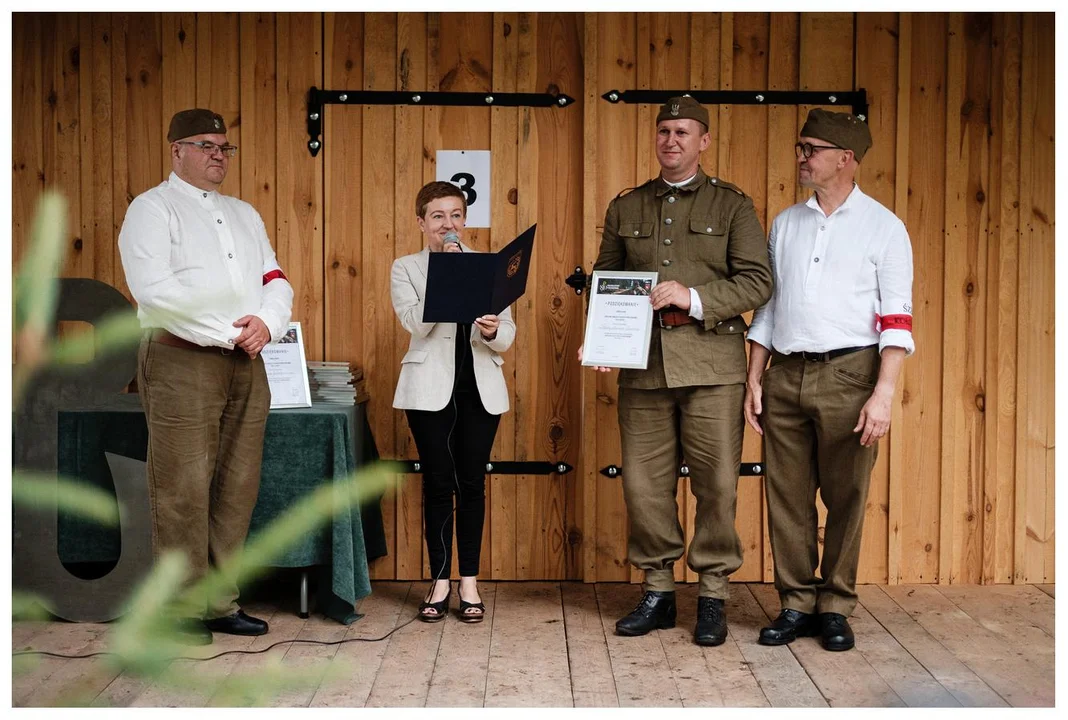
(463,286)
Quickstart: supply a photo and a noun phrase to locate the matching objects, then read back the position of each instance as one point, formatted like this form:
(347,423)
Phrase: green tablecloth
(302,449)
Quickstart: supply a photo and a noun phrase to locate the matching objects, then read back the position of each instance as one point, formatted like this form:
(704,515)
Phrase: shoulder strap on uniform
(627,191)
(718,182)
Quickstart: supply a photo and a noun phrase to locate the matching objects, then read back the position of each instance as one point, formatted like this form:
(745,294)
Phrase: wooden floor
(552,644)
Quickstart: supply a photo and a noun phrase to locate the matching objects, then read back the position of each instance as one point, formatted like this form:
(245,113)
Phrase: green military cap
(197,121)
(678,108)
(844,130)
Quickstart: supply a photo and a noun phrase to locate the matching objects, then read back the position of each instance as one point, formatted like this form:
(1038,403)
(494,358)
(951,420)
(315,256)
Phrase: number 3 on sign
(469,170)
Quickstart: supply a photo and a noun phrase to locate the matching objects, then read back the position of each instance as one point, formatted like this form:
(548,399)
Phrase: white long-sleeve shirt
(841,280)
(196,261)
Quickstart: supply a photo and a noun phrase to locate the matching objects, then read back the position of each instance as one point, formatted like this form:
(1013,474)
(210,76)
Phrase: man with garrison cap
(210,295)
(837,330)
(702,236)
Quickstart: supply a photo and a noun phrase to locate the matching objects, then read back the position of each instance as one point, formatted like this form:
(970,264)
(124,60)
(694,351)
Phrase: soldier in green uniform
(702,236)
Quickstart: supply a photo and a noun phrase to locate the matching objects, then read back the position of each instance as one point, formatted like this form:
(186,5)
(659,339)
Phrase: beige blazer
(428,368)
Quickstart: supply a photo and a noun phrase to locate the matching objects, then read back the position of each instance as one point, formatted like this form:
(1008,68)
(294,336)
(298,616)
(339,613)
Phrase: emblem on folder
(514,263)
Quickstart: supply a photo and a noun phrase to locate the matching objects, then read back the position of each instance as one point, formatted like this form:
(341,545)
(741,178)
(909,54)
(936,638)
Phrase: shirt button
(230,255)
(713,181)
(635,232)
(671,198)
(708,230)
(666,263)
(667,241)
(730,328)
(667,221)
(816,260)
(219,221)
(822,228)
(205,194)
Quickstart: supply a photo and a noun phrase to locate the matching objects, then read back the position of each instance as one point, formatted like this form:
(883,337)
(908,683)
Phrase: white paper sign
(469,170)
(287,370)
(619,323)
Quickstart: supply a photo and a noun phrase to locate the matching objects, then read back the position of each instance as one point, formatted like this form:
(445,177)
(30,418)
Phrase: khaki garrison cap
(844,130)
(198,121)
(679,108)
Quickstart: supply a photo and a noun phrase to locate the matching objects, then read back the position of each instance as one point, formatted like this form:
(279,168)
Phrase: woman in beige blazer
(453,392)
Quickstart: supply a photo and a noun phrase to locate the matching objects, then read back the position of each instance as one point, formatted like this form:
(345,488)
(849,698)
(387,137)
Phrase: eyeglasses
(209,148)
(807,149)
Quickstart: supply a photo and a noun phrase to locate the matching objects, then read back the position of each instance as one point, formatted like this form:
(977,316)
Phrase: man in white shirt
(210,295)
(837,330)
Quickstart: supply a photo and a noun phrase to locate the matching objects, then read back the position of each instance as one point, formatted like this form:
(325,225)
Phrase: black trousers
(454,446)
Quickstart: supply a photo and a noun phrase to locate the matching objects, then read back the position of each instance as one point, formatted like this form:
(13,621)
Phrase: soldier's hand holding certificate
(620,320)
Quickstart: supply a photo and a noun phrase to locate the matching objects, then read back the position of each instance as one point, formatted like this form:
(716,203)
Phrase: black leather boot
(711,628)
(237,624)
(655,611)
(790,625)
(835,631)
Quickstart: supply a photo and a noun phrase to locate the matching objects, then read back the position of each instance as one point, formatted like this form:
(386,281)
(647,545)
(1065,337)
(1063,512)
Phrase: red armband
(274,275)
(893,322)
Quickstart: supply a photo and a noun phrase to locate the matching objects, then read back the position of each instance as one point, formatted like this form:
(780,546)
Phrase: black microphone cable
(104,653)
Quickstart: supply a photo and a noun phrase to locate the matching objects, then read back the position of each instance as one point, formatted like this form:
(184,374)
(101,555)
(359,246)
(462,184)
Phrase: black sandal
(475,617)
(441,607)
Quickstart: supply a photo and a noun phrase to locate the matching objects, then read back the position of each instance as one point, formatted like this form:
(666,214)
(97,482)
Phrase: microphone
(452,237)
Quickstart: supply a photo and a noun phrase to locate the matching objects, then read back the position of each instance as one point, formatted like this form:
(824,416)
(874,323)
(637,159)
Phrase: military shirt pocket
(637,237)
(708,241)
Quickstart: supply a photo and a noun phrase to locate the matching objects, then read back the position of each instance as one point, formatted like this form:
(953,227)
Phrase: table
(303,448)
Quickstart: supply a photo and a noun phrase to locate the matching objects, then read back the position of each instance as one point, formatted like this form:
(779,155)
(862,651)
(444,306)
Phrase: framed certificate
(619,325)
(287,370)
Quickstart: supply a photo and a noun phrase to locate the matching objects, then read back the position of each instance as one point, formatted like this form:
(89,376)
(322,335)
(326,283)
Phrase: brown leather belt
(166,338)
(674,318)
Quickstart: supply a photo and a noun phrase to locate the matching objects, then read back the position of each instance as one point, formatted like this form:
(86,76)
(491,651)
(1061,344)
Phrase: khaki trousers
(206,413)
(809,412)
(706,424)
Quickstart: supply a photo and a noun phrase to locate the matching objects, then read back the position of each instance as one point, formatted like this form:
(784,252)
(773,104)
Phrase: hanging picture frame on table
(287,370)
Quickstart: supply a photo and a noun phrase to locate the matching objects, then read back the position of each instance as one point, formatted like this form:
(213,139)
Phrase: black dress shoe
(837,635)
(790,625)
(237,624)
(711,628)
(655,611)
(190,631)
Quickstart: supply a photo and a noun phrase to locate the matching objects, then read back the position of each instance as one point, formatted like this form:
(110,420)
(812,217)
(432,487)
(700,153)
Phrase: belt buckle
(660,319)
(820,357)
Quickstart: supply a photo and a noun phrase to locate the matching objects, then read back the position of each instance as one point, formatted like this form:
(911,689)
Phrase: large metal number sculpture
(37,567)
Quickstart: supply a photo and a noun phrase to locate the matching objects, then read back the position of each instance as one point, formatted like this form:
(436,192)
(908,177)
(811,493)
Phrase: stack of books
(336,383)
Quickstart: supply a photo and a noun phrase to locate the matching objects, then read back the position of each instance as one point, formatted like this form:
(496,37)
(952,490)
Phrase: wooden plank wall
(961,110)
